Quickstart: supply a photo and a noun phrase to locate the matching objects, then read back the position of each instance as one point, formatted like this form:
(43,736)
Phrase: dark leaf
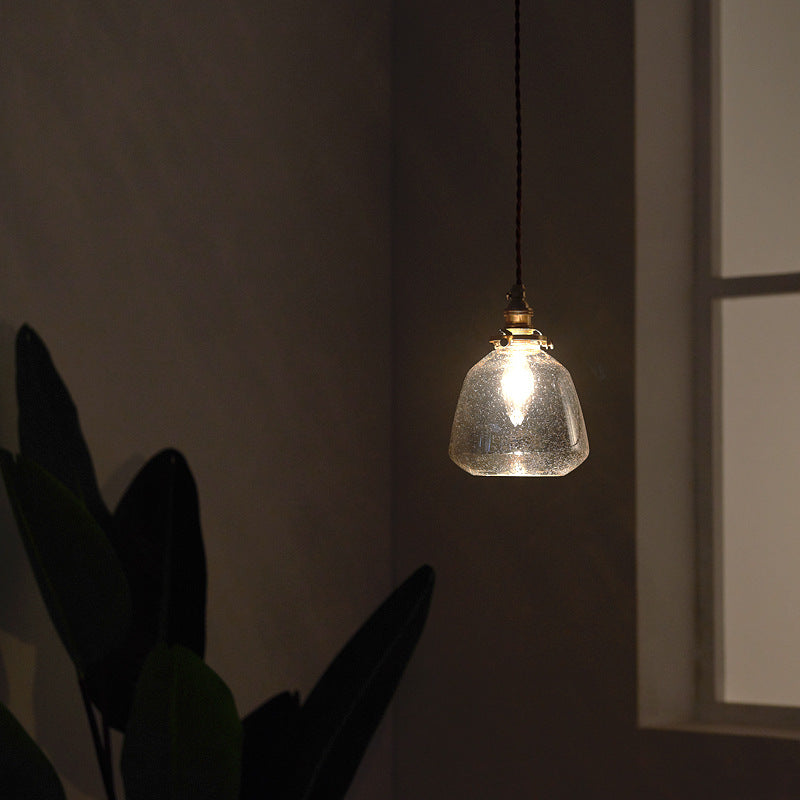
(343,710)
(25,772)
(269,736)
(156,533)
(49,430)
(78,572)
(184,737)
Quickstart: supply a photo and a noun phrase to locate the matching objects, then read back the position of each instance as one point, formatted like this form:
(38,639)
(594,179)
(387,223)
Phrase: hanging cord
(518,100)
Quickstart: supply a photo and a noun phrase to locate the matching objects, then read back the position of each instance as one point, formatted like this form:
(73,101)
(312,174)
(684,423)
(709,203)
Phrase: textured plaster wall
(194,214)
(524,685)
(276,236)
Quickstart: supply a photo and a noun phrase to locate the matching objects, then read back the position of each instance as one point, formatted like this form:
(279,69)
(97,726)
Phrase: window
(748,363)
(718,363)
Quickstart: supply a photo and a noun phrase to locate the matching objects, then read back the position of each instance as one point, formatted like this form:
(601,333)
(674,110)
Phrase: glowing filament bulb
(517,386)
(518,414)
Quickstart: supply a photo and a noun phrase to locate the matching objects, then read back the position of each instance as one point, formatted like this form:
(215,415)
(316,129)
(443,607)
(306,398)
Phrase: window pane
(758,465)
(759,102)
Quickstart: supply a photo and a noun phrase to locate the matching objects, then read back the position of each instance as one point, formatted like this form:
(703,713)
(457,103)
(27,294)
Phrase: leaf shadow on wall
(56,719)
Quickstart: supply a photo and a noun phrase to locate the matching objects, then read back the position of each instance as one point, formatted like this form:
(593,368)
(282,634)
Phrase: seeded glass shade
(518,414)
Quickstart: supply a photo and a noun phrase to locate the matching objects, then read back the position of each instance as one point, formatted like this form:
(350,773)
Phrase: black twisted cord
(518,100)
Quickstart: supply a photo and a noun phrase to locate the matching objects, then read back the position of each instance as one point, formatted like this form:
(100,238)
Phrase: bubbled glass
(518,414)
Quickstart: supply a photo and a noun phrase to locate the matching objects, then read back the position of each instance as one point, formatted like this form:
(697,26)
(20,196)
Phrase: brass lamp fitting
(519,321)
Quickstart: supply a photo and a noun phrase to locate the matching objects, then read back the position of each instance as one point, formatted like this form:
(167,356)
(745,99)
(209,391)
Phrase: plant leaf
(343,710)
(184,737)
(49,430)
(269,734)
(25,772)
(79,575)
(156,533)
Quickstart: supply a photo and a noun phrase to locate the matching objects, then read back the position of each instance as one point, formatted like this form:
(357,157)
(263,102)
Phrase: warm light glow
(518,385)
(518,414)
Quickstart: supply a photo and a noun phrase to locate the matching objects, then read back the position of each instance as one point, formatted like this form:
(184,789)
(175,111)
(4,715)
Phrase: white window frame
(678,284)
(710,288)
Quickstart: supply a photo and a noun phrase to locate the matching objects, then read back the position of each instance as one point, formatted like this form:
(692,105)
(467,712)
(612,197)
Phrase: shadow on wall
(37,680)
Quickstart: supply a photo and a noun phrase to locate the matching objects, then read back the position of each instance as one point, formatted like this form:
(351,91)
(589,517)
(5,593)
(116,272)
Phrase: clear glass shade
(518,414)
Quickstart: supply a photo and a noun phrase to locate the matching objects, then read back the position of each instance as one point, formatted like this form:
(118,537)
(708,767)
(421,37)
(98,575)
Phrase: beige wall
(194,214)
(182,187)
(524,685)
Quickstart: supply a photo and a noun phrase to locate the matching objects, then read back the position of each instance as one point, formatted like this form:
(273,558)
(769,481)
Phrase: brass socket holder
(523,334)
(518,317)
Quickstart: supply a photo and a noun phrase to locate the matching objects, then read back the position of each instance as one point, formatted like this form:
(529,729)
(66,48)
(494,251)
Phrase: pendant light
(518,413)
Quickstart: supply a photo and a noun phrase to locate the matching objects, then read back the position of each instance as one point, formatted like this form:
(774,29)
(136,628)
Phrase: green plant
(126,592)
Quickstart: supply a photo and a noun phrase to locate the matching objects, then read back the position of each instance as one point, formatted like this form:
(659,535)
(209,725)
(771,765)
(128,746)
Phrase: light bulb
(518,414)
(518,386)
